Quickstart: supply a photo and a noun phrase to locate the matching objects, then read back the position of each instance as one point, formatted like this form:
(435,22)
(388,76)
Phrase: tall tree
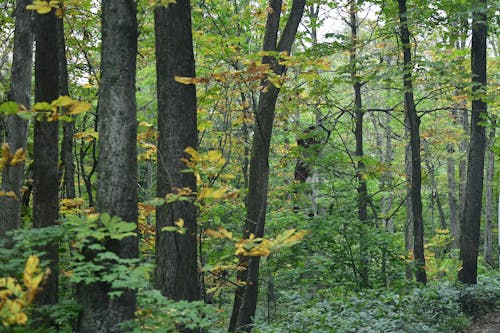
(45,150)
(413,122)
(68,126)
(470,227)
(117,165)
(358,114)
(176,274)
(245,301)
(16,129)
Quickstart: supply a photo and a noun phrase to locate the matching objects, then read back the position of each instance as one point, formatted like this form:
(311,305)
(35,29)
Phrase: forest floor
(489,323)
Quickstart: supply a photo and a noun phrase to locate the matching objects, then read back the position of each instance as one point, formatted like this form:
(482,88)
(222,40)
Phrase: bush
(435,308)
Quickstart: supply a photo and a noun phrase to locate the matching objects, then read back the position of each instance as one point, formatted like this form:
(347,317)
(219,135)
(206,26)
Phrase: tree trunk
(45,150)
(408,201)
(117,165)
(470,228)
(452,199)
(176,274)
(16,128)
(358,134)
(416,171)
(245,302)
(490,179)
(68,127)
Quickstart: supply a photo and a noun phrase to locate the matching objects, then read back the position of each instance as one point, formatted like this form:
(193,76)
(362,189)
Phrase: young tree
(117,166)
(176,274)
(470,227)
(245,301)
(413,122)
(45,150)
(16,129)
(68,126)
(358,134)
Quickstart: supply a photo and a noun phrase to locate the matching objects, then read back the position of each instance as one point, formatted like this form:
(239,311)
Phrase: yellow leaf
(19,157)
(185,80)
(5,151)
(41,7)
(180,222)
(214,155)
(79,107)
(195,157)
(218,194)
(62,101)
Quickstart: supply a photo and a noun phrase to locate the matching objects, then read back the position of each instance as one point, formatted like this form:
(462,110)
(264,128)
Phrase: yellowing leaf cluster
(60,108)
(14,298)
(262,247)
(11,159)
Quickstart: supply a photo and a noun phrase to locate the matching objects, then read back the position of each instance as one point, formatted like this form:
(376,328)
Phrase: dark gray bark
(245,302)
(470,227)
(45,150)
(117,164)
(489,207)
(176,274)
(414,124)
(16,128)
(68,127)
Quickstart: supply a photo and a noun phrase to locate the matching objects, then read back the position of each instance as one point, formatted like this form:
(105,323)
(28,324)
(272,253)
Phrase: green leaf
(9,107)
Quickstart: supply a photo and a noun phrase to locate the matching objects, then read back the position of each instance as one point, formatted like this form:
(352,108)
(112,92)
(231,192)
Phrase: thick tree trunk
(68,127)
(176,274)
(245,302)
(117,165)
(416,171)
(45,150)
(16,128)
(358,134)
(45,167)
(470,228)
(490,179)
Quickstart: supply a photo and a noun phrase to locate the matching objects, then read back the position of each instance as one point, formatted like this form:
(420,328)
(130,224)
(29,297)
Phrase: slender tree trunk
(470,228)
(409,209)
(68,127)
(416,171)
(358,134)
(490,179)
(452,199)
(176,274)
(117,165)
(45,151)
(245,302)
(16,128)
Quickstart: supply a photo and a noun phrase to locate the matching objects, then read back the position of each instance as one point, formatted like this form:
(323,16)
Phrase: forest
(262,166)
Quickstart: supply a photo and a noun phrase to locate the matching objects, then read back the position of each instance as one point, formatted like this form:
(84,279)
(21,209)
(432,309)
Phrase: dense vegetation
(319,166)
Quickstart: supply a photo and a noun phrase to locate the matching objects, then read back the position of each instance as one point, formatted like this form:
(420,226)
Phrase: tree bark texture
(489,207)
(117,164)
(176,274)
(470,227)
(16,128)
(452,197)
(358,134)
(68,126)
(414,124)
(45,151)
(245,302)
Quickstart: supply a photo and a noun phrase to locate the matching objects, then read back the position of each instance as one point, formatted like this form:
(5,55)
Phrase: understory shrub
(435,308)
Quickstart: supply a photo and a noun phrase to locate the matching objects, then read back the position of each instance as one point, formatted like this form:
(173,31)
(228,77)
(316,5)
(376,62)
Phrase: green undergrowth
(440,307)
